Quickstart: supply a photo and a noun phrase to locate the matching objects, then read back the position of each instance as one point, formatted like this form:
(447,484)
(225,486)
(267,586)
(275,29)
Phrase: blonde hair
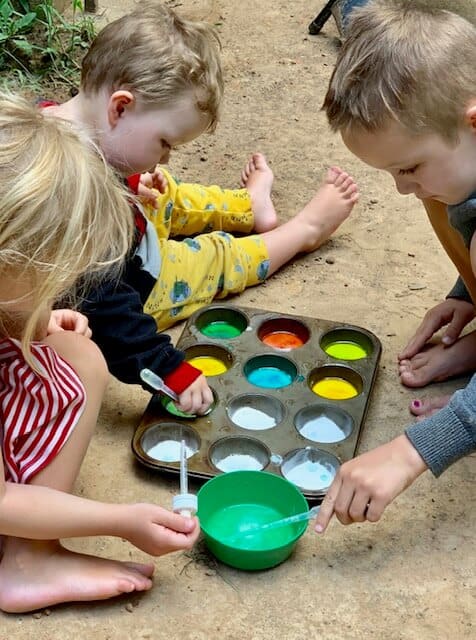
(63,214)
(400,61)
(158,56)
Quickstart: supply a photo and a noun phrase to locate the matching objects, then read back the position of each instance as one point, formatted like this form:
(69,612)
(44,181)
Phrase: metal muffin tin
(290,430)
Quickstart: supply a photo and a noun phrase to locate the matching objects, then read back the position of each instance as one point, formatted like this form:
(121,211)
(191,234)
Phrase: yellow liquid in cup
(208,365)
(334,389)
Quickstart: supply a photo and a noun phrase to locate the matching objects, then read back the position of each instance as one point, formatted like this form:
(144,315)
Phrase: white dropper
(184,503)
(156,382)
(254,529)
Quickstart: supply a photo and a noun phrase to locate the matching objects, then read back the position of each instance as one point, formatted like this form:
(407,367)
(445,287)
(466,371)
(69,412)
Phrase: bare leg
(437,362)
(257,177)
(35,574)
(316,222)
(452,243)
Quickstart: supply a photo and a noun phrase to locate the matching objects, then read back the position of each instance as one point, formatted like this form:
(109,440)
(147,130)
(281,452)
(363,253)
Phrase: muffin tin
(290,397)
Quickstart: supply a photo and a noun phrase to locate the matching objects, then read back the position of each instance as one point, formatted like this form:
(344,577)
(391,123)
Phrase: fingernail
(318,528)
(416,404)
(446,340)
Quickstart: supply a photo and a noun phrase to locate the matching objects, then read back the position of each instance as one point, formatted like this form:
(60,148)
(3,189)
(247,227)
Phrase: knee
(83,355)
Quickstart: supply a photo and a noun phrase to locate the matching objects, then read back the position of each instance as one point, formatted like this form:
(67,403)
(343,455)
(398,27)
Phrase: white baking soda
(322,429)
(310,475)
(167,451)
(239,462)
(253,419)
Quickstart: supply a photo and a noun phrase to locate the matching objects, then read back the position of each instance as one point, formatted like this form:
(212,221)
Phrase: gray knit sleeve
(449,434)
(459,291)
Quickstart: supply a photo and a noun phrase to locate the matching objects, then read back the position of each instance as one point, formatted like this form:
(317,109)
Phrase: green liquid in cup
(169,406)
(226,524)
(346,350)
(221,330)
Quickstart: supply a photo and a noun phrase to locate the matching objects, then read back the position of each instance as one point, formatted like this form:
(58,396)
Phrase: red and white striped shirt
(37,412)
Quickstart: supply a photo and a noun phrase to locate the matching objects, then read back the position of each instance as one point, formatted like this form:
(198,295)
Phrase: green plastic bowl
(233,502)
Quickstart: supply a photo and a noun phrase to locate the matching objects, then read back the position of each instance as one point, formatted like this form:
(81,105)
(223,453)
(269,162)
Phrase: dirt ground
(409,577)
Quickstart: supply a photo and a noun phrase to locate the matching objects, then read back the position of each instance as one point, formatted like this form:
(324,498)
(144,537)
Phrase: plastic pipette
(183,468)
(275,524)
(156,382)
(185,503)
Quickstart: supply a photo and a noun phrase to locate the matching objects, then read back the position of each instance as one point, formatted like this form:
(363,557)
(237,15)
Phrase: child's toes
(341,179)
(332,174)
(347,184)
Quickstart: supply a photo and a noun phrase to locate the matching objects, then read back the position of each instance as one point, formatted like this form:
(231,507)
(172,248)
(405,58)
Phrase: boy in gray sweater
(403,98)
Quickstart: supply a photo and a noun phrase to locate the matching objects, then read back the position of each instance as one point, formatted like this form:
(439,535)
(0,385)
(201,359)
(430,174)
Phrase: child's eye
(403,172)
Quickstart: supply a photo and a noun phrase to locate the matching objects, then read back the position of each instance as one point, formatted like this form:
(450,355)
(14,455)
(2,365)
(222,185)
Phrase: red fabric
(182,377)
(37,412)
(42,104)
(133,182)
(140,224)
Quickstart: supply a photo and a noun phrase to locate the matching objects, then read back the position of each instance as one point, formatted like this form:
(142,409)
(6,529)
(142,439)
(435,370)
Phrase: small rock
(47,612)
(373,201)
(37,615)
(330,260)
(416,286)
(411,255)
(129,607)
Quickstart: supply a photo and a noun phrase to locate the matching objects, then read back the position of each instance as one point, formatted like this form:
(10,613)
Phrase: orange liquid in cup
(283,340)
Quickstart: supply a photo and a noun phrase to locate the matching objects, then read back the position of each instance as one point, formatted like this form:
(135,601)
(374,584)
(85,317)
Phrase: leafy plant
(38,43)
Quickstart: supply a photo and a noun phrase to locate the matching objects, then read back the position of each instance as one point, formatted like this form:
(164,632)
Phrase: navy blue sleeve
(459,291)
(126,335)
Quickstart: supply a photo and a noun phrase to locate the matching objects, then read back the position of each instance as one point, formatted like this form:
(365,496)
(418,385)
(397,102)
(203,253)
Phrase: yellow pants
(452,243)
(212,264)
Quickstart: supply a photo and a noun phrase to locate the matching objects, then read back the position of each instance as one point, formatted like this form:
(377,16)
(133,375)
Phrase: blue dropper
(254,529)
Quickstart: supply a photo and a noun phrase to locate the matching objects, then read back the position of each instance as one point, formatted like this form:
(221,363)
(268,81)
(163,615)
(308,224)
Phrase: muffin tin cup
(279,427)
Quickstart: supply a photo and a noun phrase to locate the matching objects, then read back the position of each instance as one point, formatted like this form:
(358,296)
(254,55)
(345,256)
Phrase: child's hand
(364,486)
(158,531)
(452,312)
(149,183)
(68,320)
(196,398)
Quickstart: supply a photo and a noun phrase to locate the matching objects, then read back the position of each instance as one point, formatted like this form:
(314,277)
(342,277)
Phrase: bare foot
(330,206)
(257,177)
(437,362)
(36,574)
(428,406)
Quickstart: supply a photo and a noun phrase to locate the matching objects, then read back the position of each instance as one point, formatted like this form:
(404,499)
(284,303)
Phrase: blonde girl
(63,218)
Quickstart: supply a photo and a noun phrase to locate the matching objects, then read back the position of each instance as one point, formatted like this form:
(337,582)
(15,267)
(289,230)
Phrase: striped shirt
(37,412)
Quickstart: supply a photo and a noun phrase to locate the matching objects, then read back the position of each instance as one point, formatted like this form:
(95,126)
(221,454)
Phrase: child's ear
(117,105)
(470,114)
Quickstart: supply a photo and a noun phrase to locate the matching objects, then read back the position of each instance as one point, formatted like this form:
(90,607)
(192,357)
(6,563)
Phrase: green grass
(38,45)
